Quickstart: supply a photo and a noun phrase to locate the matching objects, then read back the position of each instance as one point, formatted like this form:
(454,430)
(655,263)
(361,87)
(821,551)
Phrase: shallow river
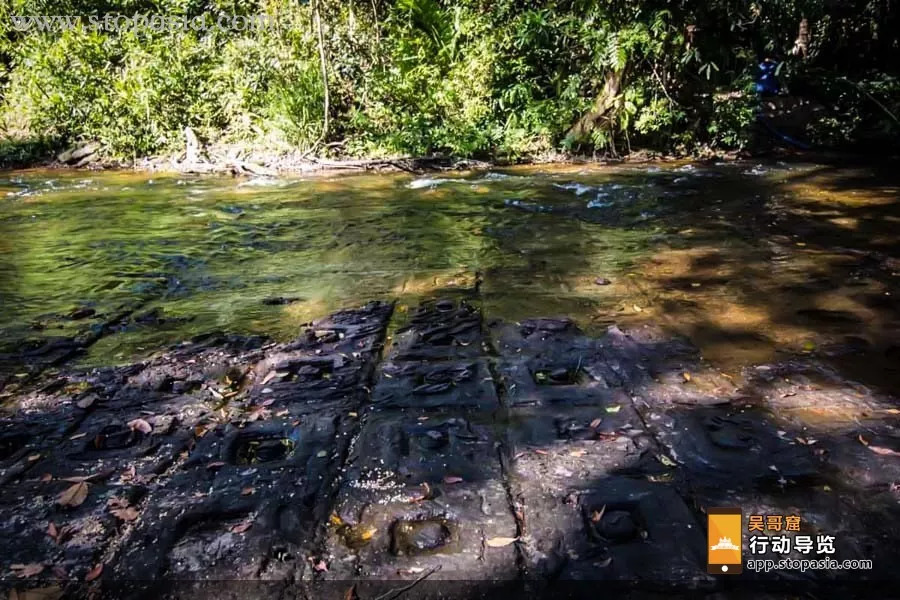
(751,261)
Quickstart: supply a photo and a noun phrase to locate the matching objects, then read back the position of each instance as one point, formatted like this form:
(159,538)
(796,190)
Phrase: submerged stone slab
(439,330)
(461,384)
(329,366)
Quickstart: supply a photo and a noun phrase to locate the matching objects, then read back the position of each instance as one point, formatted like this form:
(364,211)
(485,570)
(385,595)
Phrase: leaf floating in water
(74,496)
(450,479)
(500,542)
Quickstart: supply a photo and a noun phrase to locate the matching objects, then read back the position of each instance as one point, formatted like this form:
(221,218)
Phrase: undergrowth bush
(465,77)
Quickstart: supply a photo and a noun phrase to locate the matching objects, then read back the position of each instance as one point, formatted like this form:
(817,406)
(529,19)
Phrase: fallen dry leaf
(426,493)
(128,473)
(320,566)
(686,375)
(215,464)
(577,453)
(52,531)
(541,452)
(884,451)
(596,423)
(598,514)
(94,573)
(140,425)
(117,502)
(29,570)
(500,542)
(74,496)
(247,491)
(242,527)
(450,479)
(862,440)
(46,477)
(125,514)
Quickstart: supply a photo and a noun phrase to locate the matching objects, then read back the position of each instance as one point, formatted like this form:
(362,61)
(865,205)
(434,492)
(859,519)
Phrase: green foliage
(465,77)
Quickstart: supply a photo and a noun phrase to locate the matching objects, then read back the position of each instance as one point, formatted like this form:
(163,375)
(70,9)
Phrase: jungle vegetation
(470,78)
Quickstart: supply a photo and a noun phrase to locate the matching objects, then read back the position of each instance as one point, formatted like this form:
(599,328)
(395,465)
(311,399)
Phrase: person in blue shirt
(767,83)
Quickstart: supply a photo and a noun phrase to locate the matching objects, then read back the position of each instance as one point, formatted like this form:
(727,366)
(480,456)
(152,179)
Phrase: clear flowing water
(748,260)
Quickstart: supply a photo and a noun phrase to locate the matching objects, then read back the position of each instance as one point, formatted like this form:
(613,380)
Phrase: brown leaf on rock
(117,502)
(74,495)
(22,571)
(500,542)
(884,451)
(94,573)
(598,514)
(242,527)
(128,473)
(87,401)
(140,425)
(125,514)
